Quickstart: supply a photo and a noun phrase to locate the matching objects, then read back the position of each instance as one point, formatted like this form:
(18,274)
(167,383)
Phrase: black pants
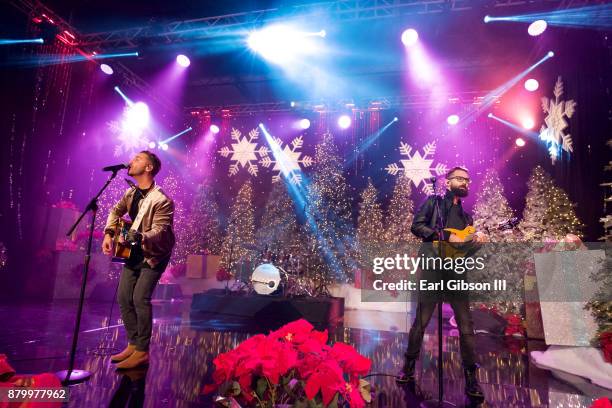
(467,340)
(136,287)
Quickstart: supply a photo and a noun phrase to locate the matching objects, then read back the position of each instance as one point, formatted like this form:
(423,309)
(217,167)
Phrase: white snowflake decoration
(243,152)
(552,132)
(418,168)
(129,142)
(288,161)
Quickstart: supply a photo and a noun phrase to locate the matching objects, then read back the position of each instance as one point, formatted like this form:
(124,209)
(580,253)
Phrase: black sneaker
(407,373)
(472,388)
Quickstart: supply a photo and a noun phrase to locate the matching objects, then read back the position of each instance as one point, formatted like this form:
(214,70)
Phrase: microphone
(116,167)
(432,179)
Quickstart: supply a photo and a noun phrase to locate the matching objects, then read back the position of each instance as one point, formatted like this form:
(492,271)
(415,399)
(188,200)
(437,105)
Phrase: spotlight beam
(6,41)
(63,59)
(513,126)
(495,94)
(363,146)
(124,96)
(596,16)
(171,138)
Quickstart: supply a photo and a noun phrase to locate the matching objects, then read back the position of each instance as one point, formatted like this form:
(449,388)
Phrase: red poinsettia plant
(605,341)
(292,365)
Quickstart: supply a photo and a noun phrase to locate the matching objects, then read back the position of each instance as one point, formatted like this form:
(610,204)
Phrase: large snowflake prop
(129,141)
(287,161)
(418,168)
(243,152)
(552,132)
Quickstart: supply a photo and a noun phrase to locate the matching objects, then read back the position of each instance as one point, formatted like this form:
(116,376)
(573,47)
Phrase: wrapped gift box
(202,266)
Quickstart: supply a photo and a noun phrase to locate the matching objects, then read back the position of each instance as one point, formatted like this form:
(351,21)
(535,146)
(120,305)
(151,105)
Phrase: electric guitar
(455,247)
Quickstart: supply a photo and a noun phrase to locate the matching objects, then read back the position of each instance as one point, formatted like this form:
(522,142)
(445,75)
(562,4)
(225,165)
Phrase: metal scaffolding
(343,10)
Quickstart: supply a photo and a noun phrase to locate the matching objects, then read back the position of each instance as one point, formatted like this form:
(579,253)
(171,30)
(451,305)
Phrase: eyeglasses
(461,179)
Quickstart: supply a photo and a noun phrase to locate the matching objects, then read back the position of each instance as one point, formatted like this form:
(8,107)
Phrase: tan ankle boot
(137,359)
(128,351)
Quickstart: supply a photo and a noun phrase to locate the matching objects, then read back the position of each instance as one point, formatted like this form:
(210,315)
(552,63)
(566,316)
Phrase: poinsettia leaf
(261,387)
(334,402)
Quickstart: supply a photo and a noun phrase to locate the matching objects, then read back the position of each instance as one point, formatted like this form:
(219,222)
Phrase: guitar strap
(144,207)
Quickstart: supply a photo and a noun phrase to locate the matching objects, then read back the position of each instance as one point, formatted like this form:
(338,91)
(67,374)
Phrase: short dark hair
(154,161)
(454,169)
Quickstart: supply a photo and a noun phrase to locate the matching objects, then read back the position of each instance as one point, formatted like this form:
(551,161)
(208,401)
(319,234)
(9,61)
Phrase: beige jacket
(156,211)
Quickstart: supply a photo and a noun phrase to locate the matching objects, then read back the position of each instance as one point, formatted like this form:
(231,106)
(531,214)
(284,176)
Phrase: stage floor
(37,339)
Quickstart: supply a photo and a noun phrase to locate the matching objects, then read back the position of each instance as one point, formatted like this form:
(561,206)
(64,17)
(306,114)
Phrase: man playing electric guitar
(151,240)
(456,220)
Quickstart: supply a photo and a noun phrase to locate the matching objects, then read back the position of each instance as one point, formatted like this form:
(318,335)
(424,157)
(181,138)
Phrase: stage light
(527,123)
(537,27)
(152,145)
(322,33)
(106,69)
(452,120)
(183,60)
(344,121)
(395,119)
(304,124)
(520,142)
(214,129)
(487,19)
(164,146)
(550,54)
(137,116)
(282,43)
(490,115)
(531,84)
(292,104)
(410,37)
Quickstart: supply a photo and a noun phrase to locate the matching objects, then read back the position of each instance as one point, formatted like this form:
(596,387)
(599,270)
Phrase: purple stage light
(410,37)
(304,124)
(183,60)
(106,69)
(537,27)
(344,121)
(520,142)
(214,129)
(452,120)
(137,116)
(531,84)
(152,145)
(527,122)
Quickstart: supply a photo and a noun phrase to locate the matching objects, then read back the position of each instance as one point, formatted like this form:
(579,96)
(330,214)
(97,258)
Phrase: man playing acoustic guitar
(455,218)
(151,240)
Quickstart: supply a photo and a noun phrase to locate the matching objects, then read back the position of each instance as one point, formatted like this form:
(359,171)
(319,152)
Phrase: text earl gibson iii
(452,285)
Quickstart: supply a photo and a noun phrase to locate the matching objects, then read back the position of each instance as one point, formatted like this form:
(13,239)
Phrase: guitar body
(453,248)
(122,251)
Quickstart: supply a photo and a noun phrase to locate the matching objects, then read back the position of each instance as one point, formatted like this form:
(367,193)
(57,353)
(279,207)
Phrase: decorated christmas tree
(492,208)
(203,235)
(540,184)
(329,215)
(560,217)
(239,240)
(279,231)
(401,214)
(369,226)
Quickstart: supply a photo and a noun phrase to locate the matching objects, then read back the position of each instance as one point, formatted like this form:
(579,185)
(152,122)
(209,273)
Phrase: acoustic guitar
(122,250)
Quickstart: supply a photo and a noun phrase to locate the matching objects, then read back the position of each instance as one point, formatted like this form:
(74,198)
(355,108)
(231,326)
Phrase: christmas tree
(492,208)
(239,240)
(401,214)
(539,185)
(329,215)
(369,226)
(280,231)
(203,236)
(560,218)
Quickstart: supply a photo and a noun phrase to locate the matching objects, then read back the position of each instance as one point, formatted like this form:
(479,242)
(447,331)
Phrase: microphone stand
(440,402)
(72,376)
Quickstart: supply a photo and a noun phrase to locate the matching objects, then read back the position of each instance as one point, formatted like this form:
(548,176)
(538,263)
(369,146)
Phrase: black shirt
(139,194)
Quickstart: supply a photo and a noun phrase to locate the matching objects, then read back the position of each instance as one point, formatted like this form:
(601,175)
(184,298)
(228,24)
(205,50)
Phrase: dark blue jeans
(136,287)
